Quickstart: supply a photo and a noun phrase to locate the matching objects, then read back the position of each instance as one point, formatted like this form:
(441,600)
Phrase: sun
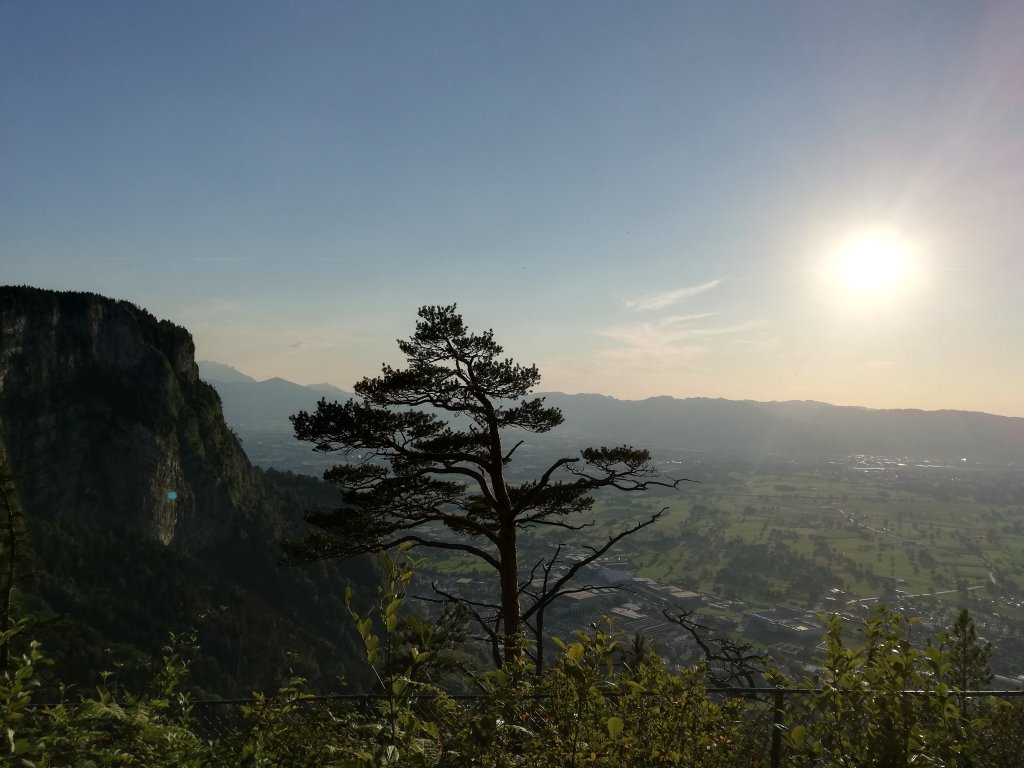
(872,264)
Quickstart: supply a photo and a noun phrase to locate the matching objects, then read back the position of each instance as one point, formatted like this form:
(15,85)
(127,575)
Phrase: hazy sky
(642,198)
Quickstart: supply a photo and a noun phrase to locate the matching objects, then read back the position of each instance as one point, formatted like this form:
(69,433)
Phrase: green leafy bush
(890,700)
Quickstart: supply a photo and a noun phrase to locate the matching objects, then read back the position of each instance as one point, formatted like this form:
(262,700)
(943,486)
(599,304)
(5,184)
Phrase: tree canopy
(427,451)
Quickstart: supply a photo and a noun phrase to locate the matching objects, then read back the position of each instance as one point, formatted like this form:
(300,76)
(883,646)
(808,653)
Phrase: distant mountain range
(801,429)
(263,405)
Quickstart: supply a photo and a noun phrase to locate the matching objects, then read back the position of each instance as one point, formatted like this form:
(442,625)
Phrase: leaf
(574,652)
(614,726)
(393,607)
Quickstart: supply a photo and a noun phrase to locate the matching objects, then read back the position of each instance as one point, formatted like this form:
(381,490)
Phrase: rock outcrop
(104,417)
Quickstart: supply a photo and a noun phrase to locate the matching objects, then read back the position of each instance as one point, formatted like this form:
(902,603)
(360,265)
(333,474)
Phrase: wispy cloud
(308,344)
(663,299)
(671,330)
(670,341)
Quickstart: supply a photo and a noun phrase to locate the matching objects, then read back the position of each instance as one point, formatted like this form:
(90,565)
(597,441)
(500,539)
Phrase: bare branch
(730,664)
(508,456)
(492,632)
(545,479)
(535,520)
(311,549)
(595,552)
(417,541)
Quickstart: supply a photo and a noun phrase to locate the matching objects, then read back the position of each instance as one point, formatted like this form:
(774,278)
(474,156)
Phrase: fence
(766,714)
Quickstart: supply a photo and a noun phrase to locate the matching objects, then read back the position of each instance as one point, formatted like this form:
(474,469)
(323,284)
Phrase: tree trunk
(509,585)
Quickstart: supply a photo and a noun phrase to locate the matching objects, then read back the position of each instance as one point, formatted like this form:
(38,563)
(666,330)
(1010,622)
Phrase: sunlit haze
(766,201)
(873,264)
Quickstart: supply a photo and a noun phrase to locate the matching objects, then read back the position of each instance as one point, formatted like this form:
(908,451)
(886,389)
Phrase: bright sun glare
(872,264)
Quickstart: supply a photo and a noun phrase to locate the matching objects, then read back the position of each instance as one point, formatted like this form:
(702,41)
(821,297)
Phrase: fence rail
(219,718)
(774,697)
(735,692)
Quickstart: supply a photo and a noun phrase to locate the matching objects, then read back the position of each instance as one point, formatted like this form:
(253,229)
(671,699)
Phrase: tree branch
(492,632)
(542,483)
(740,665)
(508,456)
(595,552)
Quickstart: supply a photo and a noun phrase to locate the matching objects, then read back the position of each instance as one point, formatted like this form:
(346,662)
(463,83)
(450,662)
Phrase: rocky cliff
(144,516)
(104,417)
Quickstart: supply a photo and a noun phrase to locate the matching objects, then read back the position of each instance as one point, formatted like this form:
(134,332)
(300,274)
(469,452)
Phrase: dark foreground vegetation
(890,699)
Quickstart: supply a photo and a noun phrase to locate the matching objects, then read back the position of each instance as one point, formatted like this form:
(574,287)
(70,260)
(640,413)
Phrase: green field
(797,534)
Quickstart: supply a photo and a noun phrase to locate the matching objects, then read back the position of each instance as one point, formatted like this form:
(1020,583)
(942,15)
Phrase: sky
(764,201)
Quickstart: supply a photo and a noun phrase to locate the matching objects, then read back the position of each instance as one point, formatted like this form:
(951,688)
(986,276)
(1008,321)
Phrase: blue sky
(643,199)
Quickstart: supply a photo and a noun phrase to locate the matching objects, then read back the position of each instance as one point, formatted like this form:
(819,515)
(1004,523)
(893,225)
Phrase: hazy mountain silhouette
(329,390)
(795,428)
(263,405)
(218,372)
(802,429)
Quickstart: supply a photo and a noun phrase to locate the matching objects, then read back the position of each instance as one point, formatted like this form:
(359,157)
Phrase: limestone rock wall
(103,414)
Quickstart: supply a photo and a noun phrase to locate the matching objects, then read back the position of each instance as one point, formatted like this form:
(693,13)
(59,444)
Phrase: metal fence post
(777,714)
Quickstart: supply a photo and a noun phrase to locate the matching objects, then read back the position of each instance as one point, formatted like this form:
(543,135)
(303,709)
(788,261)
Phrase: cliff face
(104,417)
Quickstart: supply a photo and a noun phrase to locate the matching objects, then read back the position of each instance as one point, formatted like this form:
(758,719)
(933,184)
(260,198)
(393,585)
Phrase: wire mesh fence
(766,715)
(756,733)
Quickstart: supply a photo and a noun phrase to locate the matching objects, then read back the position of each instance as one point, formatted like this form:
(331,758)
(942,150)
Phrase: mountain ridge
(799,428)
(209,374)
